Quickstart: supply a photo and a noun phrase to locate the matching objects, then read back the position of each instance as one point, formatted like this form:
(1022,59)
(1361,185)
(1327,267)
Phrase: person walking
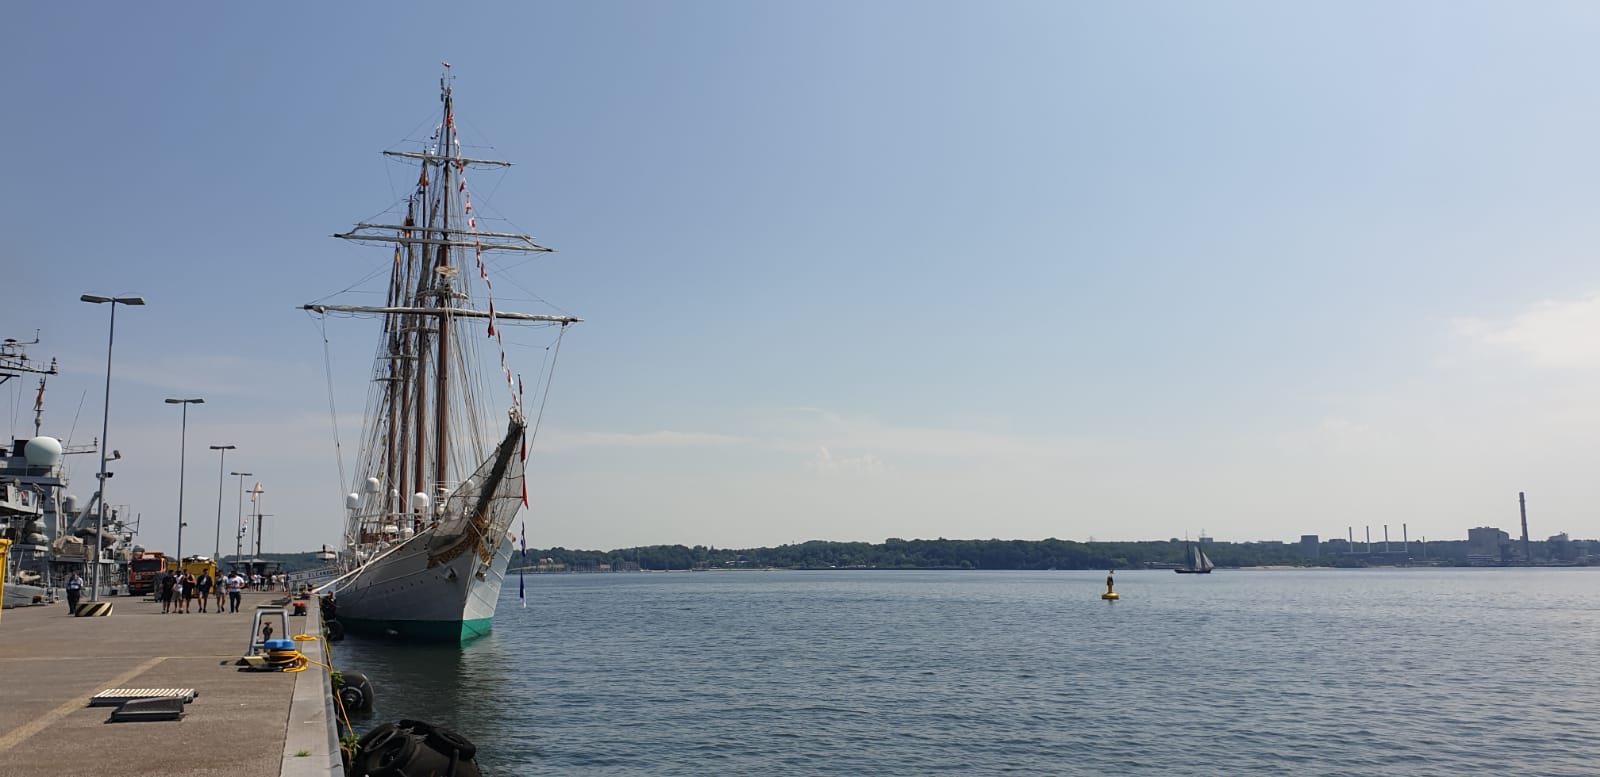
(221,587)
(169,582)
(202,588)
(177,591)
(190,588)
(235,589)
(74,590)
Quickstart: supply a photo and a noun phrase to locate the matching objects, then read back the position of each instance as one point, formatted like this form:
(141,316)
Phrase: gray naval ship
(50,537)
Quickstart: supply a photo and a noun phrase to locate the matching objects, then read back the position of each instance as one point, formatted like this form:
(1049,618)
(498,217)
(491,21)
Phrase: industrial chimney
(1522,504)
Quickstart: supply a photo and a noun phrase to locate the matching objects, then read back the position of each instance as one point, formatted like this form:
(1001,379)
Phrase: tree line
(995,554)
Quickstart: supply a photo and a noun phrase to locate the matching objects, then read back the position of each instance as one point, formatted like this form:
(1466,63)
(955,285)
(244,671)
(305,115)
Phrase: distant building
(1560,548)
(1583,550)
(1486,541)
(1309,546)
(1205,540)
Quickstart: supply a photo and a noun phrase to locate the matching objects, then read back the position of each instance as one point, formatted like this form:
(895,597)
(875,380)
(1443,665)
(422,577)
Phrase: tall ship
(439,474)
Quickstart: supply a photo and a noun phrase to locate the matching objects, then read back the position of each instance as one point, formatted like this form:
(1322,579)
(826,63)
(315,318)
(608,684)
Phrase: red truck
(144,572)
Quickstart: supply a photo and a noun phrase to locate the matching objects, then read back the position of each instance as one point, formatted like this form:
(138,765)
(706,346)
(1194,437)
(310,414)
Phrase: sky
(849,271)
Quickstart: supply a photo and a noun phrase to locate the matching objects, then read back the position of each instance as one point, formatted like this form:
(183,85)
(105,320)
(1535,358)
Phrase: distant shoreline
(1039,555)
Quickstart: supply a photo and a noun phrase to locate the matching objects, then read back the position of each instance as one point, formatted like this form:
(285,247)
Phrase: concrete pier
(241,724)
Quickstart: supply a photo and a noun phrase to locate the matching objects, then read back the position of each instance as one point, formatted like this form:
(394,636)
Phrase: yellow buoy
(1109,595)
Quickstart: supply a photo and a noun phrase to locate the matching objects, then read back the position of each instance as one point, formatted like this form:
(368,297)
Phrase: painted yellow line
(18,735)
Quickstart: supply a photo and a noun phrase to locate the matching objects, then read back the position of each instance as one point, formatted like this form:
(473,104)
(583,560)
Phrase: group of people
(179,591)
(273,582)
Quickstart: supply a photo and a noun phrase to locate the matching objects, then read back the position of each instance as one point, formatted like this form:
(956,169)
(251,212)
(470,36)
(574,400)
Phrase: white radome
(42,452)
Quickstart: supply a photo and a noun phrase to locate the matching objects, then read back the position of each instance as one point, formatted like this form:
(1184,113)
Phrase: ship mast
(444,277)
(14,361)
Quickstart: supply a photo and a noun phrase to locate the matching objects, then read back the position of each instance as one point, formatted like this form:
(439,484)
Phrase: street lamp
(182,438)
(255,501)
(216,554)
(105,424)
(238,532)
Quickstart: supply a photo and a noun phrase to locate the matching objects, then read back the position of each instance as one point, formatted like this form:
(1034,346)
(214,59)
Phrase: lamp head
(97,299)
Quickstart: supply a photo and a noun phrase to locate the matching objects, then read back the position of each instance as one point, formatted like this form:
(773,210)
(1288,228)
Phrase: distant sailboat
(1195,562)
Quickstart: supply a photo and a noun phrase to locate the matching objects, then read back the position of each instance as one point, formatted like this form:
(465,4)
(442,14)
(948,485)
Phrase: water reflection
(442,684)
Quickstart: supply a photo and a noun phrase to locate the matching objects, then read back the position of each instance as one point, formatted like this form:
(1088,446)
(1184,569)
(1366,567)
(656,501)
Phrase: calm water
(911,673)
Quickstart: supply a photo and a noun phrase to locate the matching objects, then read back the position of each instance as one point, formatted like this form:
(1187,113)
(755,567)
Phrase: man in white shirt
(235,586)
(74,590)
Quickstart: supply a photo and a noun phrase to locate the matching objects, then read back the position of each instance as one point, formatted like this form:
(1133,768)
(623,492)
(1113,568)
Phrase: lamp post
(255,499)
(238,530)
(105,424)
(216,553)
(182,438)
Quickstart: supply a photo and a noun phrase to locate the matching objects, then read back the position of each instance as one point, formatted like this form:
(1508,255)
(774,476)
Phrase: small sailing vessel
(439,475)
(1195,561)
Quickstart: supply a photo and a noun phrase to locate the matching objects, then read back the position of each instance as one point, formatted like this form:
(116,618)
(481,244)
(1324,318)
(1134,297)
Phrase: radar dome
(352,501)
(373,485)
(43,452)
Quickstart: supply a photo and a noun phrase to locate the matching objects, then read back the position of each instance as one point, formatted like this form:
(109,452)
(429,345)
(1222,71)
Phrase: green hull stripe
(423,631)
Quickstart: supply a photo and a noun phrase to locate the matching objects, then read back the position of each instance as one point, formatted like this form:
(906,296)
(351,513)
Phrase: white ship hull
(399,595)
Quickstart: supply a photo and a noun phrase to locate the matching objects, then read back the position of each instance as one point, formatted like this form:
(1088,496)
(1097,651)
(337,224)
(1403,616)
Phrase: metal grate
(163,708)
(116,696)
